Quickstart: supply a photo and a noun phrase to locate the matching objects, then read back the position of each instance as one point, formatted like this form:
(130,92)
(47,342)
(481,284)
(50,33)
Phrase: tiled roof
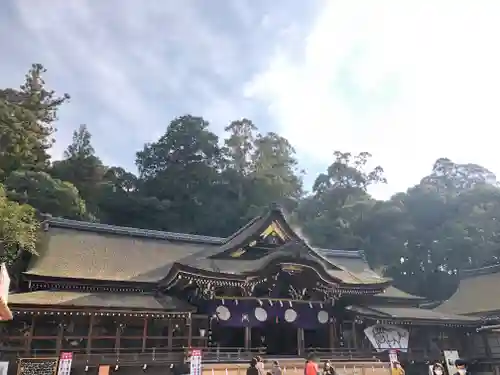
(133,232)
(413,314)
(297,251)
(475,294)
(102,300)
(81,250)
(354,261)
(82,254)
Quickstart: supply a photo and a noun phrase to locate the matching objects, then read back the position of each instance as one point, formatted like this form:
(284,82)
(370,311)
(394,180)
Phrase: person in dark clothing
(461,366)
(328,369)
(252,369)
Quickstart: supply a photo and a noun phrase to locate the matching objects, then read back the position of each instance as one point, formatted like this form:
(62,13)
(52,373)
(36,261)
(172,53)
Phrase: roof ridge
(241,229)
(480,271)
(58,222)
(355,254)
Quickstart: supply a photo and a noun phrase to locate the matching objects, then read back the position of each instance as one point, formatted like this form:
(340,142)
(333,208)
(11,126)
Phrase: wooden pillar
(189,322)
(331,335)
(89,335)
(60,334)
(170,334)
(144,334)
(354,335)
(487,348)
(29,339)
(117,337)
(248,338)
(300,341)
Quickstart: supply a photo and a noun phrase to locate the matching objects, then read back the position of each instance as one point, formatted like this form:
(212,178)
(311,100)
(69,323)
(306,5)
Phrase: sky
(409,81)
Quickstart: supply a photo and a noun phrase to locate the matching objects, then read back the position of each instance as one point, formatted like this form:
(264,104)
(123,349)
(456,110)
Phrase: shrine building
(129,297)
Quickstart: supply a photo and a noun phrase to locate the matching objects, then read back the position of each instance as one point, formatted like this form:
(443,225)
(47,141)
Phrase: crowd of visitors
(312,368)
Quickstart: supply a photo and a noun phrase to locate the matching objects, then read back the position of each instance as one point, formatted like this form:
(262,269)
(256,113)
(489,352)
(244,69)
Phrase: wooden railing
(344,354)
(150,356)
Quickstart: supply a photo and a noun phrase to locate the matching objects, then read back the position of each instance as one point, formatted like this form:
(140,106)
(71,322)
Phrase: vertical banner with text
(65,363)
(195,363)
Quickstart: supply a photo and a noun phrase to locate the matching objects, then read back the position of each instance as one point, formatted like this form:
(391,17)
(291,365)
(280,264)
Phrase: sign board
(65,363)
(195,363)
(387,337)
(450,356)
(37,366)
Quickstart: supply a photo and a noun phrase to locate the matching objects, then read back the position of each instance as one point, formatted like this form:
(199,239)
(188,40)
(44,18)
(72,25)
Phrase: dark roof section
(114,301)
(413,314)
(475,293)
(355,261)
(292,252)
(254,228)
(297,248)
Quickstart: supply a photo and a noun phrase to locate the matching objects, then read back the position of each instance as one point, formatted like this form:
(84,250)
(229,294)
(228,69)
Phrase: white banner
(386,337)
(4,367)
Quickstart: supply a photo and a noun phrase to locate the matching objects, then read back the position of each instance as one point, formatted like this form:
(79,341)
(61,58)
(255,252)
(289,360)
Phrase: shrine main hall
(131,298)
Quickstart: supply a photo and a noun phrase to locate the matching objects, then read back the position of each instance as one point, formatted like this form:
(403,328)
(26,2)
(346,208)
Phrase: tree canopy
(193,180)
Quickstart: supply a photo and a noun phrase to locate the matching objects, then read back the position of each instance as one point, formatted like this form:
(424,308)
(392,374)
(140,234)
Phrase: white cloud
(132,66)
(409,81)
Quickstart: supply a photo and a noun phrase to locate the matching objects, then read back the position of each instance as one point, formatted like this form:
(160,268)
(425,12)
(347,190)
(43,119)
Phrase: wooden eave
(71,284)
(414,315)
(181,270)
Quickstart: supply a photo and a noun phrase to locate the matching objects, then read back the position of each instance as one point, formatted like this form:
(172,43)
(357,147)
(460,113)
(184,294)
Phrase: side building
(133,297)
(475,298)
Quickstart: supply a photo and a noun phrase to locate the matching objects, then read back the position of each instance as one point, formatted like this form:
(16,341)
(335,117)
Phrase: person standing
(397,369)
(260,365)
(252,369)
(437,369)
(276,369)
(328,369)
(311,366)
(461,366)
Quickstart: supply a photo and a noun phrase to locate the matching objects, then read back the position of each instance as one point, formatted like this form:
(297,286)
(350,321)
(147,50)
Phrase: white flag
(386,337)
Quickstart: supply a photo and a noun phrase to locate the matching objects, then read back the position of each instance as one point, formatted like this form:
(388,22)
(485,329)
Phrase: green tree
(452,177)
(27,117)
(18,228)
(260,169)
(334,213)
(46,194)
(82,168)
(182,168)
